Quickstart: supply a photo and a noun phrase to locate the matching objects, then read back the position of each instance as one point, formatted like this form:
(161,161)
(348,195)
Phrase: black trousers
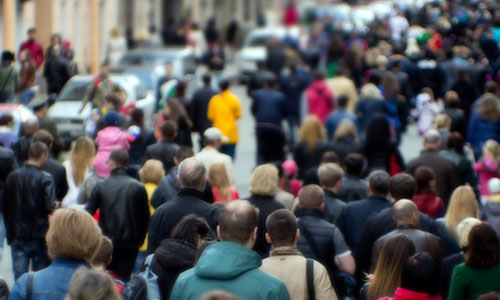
(270,143)
(123,261)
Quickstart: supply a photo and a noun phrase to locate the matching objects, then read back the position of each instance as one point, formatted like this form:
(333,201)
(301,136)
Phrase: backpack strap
(311,293)
(6,79)
(29,291)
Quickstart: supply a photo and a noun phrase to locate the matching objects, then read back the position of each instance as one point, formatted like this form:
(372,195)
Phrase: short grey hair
(192,173)
(432,137)
(379,182)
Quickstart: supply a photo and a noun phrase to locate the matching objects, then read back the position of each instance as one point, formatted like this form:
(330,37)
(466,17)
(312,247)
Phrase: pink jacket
(403,294)
(108,139)
(319,100)
(486,168)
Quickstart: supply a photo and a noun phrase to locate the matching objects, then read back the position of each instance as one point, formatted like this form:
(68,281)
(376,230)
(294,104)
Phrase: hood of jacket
(226,260)
(111,136)
(175,255)
(318,86)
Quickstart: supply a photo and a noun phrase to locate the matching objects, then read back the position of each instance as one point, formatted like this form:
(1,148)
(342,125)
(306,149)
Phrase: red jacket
(402,294)
(36,51)
(319,100)
(429,204)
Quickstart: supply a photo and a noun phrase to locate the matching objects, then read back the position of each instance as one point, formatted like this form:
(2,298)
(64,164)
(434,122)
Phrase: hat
(289,167)
(112,119)
(494,186)
(8,56)
(38,102)
(214,134)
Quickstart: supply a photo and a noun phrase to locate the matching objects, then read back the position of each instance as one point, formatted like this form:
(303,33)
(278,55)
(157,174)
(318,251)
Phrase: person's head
(462,204)
(387,275)
(31,34)
(104,70)
(192,174)
(484,248)
(354,164)
(118,159)
(402,186)
(168,130)
(7,58)
(455,142)
(389,84)
(330,156)
(224,85)
(238,221)
(112,119)
(207,79)
(137,117)
(192,229)
(55,39)
(442,121)
(45,137)
(7,120)
(73,234)
(311,131)
(463,230)
(452,99)
(81,158)
(264,180)
(330,176)
(342,101)
(217,176)
(38,153)
(270,82)
(213,137)
(405,212)
(281,228)
(426,180)
(104,255)
(319,75)
(311,196)
(378,183)
(346,129)
(491,87)
(168,69)
(432,140)
(489,108)
(30,126)
(491,149)
(111,102)
(183,153)
(420,274)
(152,171)
(370,91)
(89,284)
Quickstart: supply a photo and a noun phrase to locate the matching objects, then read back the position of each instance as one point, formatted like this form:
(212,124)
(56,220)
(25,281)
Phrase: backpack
(143,285)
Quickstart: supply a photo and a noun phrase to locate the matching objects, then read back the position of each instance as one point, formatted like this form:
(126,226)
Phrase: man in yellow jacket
(224,110)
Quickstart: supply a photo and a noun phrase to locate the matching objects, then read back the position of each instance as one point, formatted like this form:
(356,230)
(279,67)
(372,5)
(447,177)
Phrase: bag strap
(311,293)
(7,79)
(29,291)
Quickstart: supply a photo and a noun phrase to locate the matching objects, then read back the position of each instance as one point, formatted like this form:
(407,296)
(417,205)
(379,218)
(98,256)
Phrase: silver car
(65,111)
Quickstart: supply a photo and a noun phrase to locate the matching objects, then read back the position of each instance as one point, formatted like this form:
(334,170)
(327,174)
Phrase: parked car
(254,48)
(148,64)
(65,110)
(19,112)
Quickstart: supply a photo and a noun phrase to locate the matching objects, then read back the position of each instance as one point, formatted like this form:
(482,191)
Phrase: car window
(146,59)
(141,91)
(74,90)
(257,41)
(189,64)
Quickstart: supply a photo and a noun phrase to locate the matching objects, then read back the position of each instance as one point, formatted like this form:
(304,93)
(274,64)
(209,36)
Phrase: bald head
(432,140)
(311,196)
(405,212)
(30,126)
(192,174)
(237,222)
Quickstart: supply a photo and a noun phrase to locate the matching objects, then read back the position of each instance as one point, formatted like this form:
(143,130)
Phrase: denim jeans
(25,251)
(229,149)
(27,95)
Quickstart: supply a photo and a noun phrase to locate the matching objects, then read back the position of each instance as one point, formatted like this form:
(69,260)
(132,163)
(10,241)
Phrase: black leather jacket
(29,199)
(124,209)
(7,165)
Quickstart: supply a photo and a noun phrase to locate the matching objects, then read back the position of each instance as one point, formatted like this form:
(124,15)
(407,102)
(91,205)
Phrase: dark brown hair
(402,186)
(484,248)
(424,176)
(36,150)
(104,254)
(282,227)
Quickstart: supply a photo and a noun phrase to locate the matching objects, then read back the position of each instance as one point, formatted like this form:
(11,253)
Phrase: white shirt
(210,155)
(72,195)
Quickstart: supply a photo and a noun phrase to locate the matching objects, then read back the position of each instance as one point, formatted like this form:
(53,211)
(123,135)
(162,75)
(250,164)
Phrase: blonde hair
(74,234)
(442,121)
(462,204)
(217,175)
(492,149)
(311,132)
(152,171)
(81,158)
(346,128)
(463,230)
(90,284)
(264,180)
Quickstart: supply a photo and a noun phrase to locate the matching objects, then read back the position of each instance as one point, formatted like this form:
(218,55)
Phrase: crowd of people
(332,210)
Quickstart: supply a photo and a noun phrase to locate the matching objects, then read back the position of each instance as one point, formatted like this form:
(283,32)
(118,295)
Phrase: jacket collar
(406,226)
(68,262)
(380,198)
(329,193)
(118,171)
(308,212)
(191,192)
(285,250)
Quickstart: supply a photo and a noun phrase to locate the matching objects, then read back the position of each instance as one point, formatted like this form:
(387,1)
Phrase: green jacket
(230,267)
(8,80)
(468,283)
(96,91)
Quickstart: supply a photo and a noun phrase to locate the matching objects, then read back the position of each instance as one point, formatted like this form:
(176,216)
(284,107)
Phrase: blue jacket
(480,130)
(293,86)
(51,283)
(268,106)
(334,120)
(231,267)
